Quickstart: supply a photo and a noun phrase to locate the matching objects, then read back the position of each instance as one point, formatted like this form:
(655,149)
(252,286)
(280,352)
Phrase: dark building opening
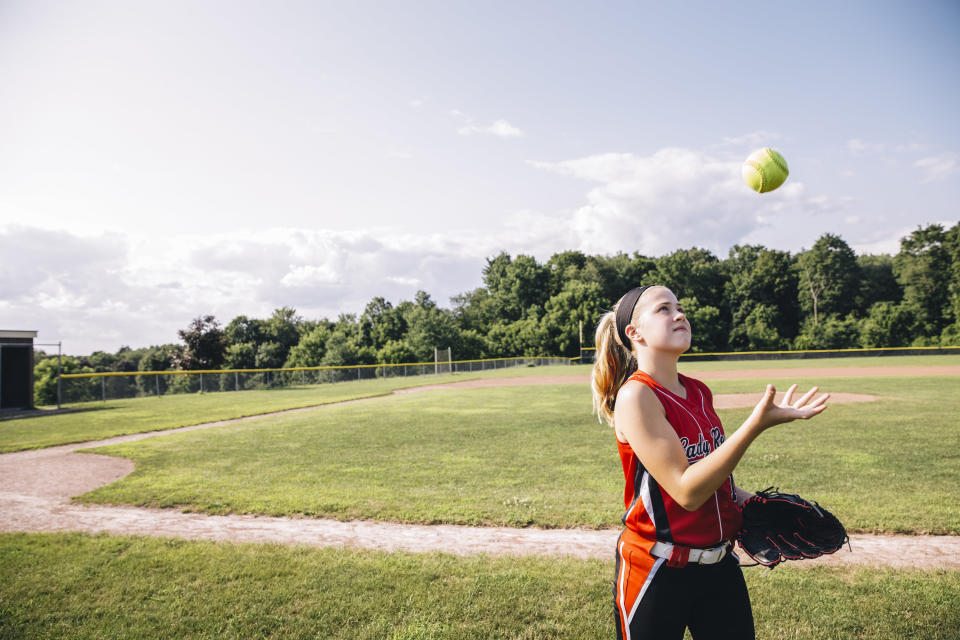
(16,369)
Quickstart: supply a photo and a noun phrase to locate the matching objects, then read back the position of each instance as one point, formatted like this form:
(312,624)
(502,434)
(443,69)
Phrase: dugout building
(16,369)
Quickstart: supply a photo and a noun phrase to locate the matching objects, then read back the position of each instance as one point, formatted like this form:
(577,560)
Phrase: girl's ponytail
(612,365)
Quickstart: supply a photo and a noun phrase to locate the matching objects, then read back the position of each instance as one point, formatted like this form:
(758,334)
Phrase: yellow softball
(765,170)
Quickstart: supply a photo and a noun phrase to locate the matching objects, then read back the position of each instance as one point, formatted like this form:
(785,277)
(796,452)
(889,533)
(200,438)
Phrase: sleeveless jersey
(651,513)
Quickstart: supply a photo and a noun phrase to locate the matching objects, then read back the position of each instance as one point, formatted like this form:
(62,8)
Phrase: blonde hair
(613,363)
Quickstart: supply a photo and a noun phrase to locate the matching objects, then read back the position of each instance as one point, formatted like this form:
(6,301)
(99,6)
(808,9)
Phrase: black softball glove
(781,526)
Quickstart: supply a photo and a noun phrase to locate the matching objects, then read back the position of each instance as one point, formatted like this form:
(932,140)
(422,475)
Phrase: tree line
(756,298)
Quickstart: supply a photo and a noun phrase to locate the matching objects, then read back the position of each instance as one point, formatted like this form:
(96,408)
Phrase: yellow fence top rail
(351,367)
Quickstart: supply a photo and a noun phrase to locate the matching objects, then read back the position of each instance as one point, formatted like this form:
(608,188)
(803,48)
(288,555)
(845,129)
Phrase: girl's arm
(640,419)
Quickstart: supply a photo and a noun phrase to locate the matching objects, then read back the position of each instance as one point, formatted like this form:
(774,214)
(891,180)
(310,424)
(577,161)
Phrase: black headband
(625,312)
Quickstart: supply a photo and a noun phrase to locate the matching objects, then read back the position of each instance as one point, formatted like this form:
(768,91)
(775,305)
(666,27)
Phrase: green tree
(395,352)
(759,330)
(578,302)
(245,330)
(342,348)
(310,350)
(516,284)
(923,269)
(270,355)
(381,323)
(709,332)
(888,324)
(156,358)
(524,337)
(241,355)
(564,267)
(829,277)
(618,274)
(429,328)
(761,292)
(877,281)
(832,332)
(475,310)
(281,328)
(692,273)
(952,244)
(204,344)
(74,390)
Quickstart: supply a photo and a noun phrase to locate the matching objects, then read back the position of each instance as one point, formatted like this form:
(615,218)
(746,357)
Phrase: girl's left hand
(768,413)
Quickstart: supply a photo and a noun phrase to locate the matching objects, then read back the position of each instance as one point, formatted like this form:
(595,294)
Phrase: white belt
(712,555)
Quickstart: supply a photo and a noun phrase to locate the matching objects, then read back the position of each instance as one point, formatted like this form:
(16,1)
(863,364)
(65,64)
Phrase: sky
(161,160)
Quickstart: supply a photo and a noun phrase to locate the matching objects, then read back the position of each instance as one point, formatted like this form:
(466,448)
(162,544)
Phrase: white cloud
(500,128)
(99,292)
(858,147)
(880,241)
(310,276)
(939,167)
(913,147)
(105,291)
(754,140)
(674,198)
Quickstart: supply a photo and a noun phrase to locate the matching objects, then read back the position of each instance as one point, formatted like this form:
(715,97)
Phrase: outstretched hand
(768,413)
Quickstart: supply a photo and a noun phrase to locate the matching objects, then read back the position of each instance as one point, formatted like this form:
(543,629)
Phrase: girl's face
(661,323)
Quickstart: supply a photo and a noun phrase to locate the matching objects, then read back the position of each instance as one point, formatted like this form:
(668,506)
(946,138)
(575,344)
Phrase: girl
(674,566)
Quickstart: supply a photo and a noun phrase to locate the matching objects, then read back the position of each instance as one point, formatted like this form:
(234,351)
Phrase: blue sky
(162,160)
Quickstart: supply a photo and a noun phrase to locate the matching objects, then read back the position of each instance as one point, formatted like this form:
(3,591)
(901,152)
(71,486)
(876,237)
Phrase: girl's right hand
(768,413)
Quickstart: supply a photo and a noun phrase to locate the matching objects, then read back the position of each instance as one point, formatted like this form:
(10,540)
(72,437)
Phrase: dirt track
(36,487)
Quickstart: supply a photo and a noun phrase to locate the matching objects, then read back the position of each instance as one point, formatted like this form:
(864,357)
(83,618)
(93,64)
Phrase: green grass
(520,456)
(98,420)
(80,586)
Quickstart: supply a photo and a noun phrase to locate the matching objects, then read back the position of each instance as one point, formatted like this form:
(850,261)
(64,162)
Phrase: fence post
(58,372)
(103,389)
(156,379)
(201,383)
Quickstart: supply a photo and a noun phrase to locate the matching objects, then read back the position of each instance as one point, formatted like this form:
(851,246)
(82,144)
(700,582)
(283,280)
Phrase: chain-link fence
(86,387)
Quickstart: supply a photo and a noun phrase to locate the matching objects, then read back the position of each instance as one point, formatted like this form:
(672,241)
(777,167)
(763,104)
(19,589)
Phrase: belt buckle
(716,554)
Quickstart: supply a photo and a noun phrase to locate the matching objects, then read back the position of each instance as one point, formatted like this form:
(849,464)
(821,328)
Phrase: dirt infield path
(36,488)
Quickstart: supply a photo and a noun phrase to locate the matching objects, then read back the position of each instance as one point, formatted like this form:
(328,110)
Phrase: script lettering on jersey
(717,434)
(696,450)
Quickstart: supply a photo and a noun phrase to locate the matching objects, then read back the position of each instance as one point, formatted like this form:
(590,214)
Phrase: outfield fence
(86,387)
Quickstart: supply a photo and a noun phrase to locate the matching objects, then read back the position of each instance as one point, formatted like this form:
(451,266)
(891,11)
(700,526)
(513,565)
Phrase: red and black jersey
(651,512)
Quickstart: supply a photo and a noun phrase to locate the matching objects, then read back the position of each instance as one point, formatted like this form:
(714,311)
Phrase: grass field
(516,456)
(98,420)
(520,456)
(79,586)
